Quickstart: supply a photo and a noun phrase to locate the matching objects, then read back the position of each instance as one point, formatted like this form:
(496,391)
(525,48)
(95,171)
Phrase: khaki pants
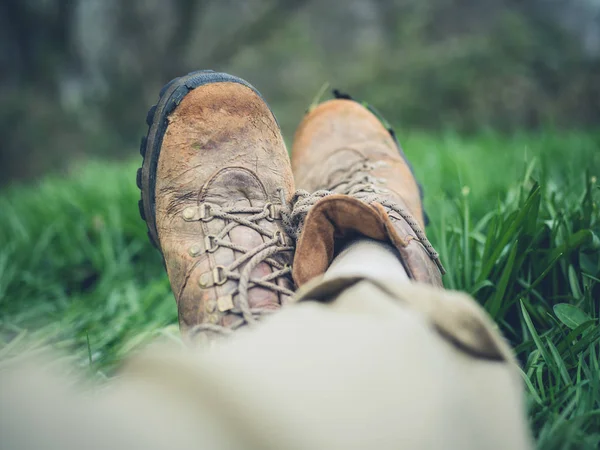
(367,365)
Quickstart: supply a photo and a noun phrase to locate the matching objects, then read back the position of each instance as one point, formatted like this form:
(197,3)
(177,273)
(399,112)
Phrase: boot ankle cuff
(336,218)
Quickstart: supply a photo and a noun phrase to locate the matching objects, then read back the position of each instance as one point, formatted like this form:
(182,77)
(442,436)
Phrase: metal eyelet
(271,212)
(210,243)
(189,213)
(219,277)
(210,306)
(205,280)
(195,250)
(213,318)
(279,236)
(225,303)
(205,212)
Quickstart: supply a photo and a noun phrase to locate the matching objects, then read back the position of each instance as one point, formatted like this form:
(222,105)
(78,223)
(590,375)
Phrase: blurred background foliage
(78,75)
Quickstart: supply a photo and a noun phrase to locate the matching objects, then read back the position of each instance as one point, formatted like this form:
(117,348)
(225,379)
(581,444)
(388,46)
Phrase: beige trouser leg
(374,362)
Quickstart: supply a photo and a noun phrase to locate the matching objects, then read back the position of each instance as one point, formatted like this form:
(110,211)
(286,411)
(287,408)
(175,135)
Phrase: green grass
(516,221)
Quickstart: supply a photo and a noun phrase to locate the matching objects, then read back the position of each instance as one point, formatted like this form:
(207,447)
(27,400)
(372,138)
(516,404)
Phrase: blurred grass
(515,219)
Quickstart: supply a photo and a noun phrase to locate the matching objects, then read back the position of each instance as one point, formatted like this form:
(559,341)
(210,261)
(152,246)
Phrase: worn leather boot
(360,183)
(215,167)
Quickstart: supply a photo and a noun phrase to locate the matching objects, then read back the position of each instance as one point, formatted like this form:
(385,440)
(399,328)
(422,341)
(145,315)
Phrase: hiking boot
(214,172)
(361,184)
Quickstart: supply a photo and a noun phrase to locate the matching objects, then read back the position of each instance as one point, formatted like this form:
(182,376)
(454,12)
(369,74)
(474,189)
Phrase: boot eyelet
(225,303)
(189,214)
(210,306)
(219,277)
(279,236)
(213,318)
(195,250)
(271,212)
(205,281)
(210,242)
(368,179)
(205,212)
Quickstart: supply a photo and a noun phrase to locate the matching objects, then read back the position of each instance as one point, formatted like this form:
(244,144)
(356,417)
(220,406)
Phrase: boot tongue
(234,187)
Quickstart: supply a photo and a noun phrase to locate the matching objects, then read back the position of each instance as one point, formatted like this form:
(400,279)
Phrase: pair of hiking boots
(219,197)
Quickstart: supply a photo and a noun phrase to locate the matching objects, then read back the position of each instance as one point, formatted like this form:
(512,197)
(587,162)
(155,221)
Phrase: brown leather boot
(367,188)
(214,166)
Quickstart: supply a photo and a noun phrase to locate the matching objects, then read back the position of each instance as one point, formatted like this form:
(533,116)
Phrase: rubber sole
(170,97)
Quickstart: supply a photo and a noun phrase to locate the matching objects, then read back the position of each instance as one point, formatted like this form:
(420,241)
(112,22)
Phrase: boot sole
(170,97)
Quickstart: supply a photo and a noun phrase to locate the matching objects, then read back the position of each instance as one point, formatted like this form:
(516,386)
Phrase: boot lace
(360,184)
(237,301)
